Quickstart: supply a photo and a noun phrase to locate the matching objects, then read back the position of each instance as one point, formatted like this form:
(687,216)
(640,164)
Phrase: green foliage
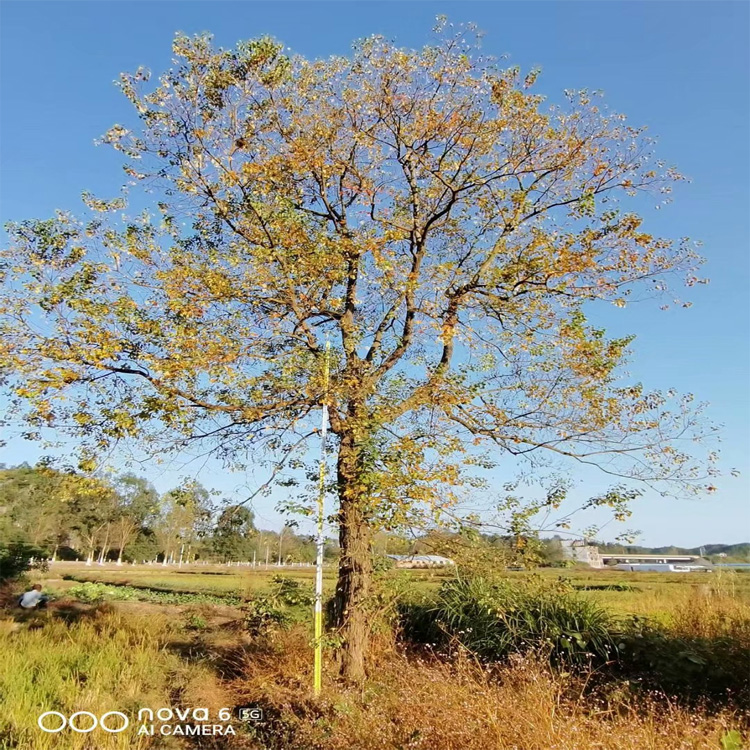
(263,615)
(701,651)
(194,621)
(34,507)
(291,592)
(94,593)
(662,656)
(731,740)
(605,587)
(15,559)
(382,563)
(494,618)
(232,536)
(288,601)
(144,546)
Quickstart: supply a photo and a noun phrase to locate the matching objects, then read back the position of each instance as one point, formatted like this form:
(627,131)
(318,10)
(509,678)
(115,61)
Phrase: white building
(421,561)
(581,551)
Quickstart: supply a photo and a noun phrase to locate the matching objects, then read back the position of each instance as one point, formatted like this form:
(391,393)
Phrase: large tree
(33,507)
(426,211)
(184,521)
(233,536)
(137,506)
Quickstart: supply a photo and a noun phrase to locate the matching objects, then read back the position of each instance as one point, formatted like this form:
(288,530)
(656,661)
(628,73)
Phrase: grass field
(652,594)
(133,654)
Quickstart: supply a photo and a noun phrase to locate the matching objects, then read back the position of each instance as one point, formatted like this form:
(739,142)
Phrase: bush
(703,652)
(263,615)
(494,618)
(291,592)
(287,602)
(382,563)
(16,557)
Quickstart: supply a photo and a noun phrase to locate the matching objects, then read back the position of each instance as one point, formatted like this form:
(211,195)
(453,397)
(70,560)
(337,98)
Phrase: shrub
(382,563)
(16,557)
(291,592)
(263,615)
(494,618)
(287,602)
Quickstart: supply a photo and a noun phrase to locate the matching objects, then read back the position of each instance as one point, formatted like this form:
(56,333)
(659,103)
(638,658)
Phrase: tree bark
(355,563)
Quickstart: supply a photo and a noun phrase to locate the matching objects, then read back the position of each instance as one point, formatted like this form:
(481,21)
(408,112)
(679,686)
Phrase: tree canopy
(67,514)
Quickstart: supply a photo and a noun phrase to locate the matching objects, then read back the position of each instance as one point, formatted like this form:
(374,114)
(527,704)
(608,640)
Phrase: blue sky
(679,67)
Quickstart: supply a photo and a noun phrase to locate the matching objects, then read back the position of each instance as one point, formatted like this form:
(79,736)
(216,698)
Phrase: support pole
(318,666)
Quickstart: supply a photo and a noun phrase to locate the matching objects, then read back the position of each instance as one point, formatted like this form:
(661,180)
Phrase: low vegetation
(93,593)
(430,703)
(494,618)
(505,661)
(94,660)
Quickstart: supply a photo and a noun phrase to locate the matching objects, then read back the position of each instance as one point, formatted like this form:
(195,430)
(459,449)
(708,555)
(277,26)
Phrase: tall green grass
(496,617)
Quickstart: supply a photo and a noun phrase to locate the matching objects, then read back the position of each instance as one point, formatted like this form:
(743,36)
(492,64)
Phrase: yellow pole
(318,668)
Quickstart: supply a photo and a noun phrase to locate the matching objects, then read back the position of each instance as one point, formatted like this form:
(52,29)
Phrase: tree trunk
(355,563)
(105,548)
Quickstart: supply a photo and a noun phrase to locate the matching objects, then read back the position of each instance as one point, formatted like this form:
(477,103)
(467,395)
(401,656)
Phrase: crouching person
(33,599)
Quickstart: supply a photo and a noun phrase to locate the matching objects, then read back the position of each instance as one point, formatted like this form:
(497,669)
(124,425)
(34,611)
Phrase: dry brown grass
(713,612)
(422,703)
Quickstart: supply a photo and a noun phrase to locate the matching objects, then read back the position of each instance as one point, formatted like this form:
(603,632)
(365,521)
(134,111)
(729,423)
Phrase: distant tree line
(69,515)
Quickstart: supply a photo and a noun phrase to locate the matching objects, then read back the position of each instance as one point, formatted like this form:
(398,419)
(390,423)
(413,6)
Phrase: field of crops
(653,594)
